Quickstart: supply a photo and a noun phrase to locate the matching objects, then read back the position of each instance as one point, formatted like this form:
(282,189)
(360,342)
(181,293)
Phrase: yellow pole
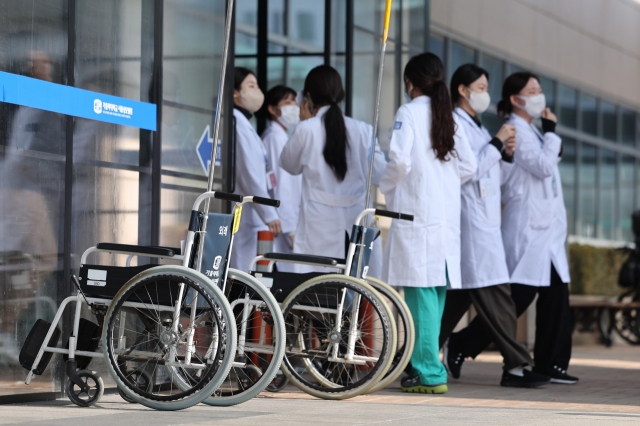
(387,19)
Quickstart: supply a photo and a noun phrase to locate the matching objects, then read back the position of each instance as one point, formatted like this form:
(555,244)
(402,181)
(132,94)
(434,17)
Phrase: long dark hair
(273,98)
(465,74)
(426,73)
(323,86)
(512,86)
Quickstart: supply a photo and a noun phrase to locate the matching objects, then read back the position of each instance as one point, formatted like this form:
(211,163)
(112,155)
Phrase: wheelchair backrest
(363,237)
(217,243)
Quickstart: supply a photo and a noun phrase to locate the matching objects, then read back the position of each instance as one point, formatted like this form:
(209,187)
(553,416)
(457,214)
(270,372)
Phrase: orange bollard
(265,245)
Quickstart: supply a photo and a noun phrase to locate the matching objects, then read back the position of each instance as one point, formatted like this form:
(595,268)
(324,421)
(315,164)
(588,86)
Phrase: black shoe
(453,361)
(413,385)
(560,376)
(529,379)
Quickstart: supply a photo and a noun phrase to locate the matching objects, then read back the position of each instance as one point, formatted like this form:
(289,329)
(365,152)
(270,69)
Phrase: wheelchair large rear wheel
(340,337)
(405,331)
(261,334)
(172,323)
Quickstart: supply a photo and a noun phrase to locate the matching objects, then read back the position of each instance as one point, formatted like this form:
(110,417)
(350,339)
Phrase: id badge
(271,180)
(554,187)
(486,188)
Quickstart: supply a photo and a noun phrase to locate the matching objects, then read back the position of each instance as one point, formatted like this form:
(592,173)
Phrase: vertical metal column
(427,25)
(263,52)
(64,285)
(156,150)
(327,32)
(348,105)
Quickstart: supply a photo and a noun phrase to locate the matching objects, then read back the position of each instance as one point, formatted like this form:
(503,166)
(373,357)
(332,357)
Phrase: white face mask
(289,116)
(479,101)
(533,105)
(407,96)
(251,99)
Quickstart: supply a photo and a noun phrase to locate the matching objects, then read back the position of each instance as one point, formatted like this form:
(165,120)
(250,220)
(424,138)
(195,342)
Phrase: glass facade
(75,182)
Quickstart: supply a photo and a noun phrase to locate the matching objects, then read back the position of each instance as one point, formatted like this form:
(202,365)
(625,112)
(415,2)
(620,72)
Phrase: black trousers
(553,324)
(497,315)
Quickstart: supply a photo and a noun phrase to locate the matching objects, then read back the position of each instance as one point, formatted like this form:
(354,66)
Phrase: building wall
(591,44)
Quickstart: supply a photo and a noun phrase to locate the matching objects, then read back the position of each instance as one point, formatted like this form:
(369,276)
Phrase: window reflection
(607,195)
(588,114)
(460,55)
(587,191)
(495,68)
(568,101)
(568,175)
(629,120)
(609,120)
(626,206)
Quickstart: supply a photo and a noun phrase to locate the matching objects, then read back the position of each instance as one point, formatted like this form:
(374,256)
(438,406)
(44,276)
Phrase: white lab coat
(483,258)
(288,190)
(417,183)
(251,179)
(329,207)
(534,225)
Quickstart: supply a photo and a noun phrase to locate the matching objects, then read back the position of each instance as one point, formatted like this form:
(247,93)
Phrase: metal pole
(216,125)
(385,34)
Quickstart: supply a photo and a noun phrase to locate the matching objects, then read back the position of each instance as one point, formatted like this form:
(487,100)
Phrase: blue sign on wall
(34,93)
(204,148)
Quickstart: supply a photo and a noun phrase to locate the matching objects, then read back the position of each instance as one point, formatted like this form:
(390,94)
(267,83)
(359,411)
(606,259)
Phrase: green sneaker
(413,385)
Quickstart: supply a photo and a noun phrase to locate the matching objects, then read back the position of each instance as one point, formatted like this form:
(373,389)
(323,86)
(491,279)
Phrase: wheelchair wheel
(261,331)
(405,331)
(340,331)
(627,321)
(82,398)
(141,378)
(191,342)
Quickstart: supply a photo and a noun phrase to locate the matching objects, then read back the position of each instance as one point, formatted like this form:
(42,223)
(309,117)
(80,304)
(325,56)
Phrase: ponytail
(323,86)
(426,72)
(442,124)
(335,147)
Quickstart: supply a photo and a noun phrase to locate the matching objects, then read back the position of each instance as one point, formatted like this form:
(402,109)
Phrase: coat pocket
(540,213)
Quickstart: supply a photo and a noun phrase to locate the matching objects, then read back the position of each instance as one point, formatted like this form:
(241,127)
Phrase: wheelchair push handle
(266,201)
(394,215)
(228,197)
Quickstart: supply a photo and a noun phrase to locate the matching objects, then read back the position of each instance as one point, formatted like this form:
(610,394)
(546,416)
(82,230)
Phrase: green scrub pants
(427,305)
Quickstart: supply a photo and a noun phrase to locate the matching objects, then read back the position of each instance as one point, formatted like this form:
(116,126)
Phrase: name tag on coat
(486,188)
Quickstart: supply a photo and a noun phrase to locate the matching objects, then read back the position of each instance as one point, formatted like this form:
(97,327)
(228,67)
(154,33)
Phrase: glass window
(495,68)
(514,68)
(607,197)
(609,120)
(568,175)
(587,191)
(568,100)
(549,89)
(629,120)
(460,55)
(33,43)
(492,122)
(246,27)
(415,13)
(588,114)
(306,24)
(437,46)
(626,205)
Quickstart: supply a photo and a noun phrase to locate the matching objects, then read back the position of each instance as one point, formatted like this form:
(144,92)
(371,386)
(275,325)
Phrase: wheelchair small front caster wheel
(278,383)
(84,398)
(141,378)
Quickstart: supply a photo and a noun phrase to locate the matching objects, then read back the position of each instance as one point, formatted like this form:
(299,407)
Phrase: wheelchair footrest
(33,343)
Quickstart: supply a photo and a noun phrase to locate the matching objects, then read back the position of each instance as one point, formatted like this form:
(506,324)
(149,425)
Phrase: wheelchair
(168,333)
(342,339)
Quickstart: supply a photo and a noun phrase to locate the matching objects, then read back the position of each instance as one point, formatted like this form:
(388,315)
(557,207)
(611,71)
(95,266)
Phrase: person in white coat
(331,152)
(281,108)
(428,162)
(485,276)
(252,171)
(534,229)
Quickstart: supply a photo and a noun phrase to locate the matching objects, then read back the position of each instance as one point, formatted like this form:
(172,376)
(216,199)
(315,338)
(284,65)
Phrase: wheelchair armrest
(301,258)
(156,251)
